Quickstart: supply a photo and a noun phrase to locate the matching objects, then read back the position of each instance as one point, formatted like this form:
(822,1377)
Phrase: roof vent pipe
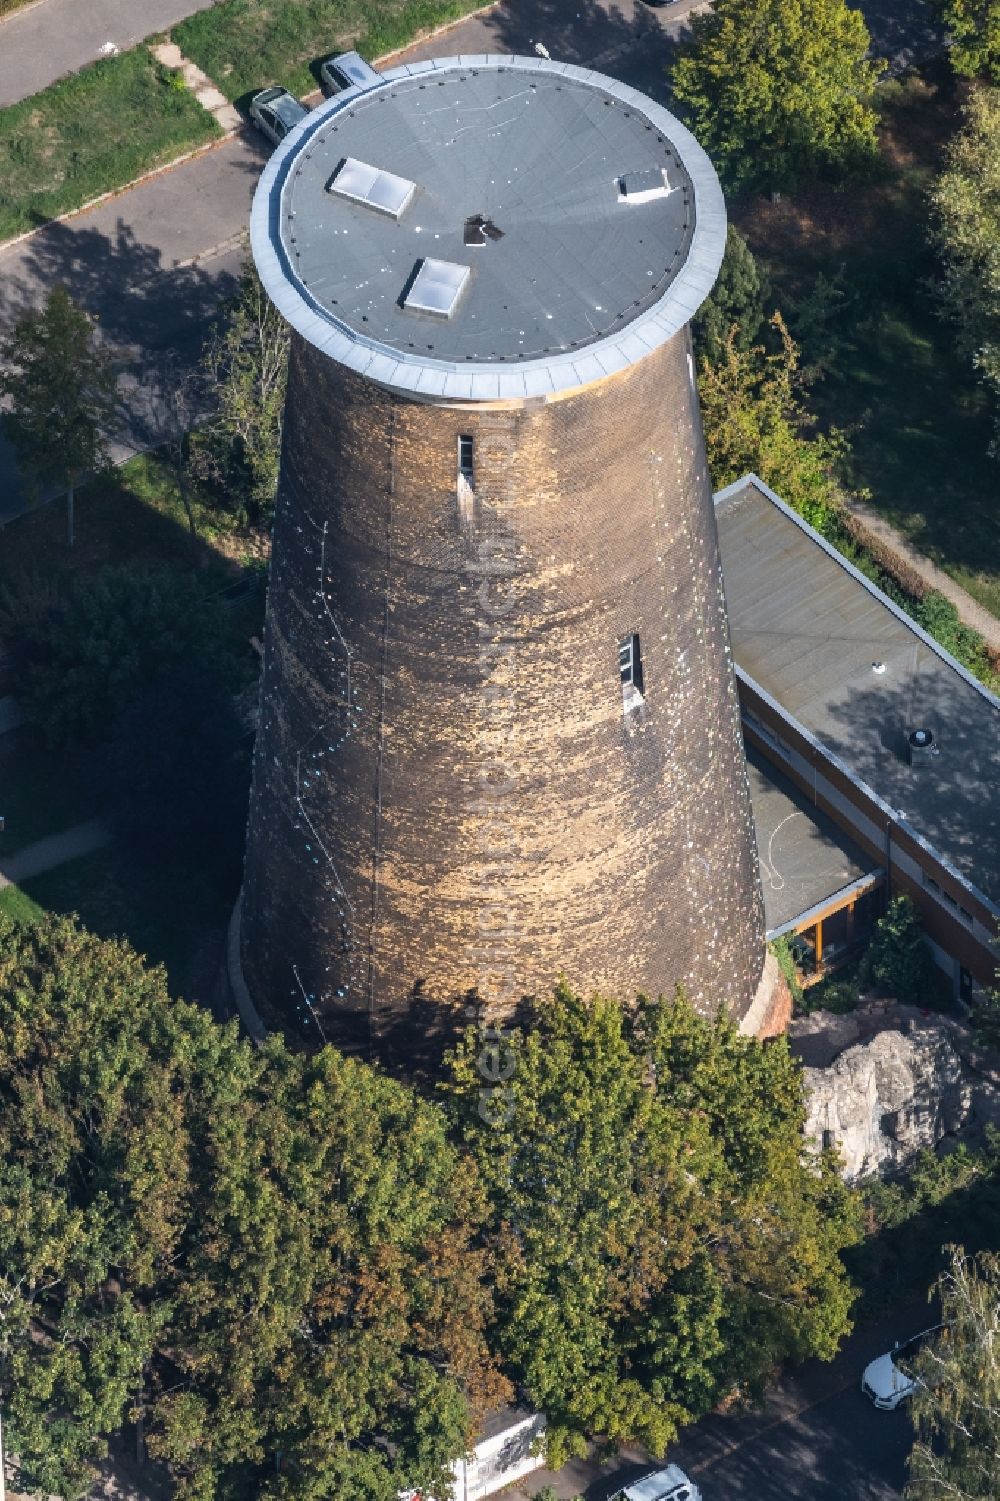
(921,744)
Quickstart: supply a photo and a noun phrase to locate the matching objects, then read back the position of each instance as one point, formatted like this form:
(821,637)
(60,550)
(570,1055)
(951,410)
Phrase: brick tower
(499,734)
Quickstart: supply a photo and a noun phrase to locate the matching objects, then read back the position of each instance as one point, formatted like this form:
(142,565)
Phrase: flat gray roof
(804,857)
(809,629)
(569,281)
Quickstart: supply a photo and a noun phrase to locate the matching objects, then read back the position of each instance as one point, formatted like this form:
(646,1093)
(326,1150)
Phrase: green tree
(779,90)
(965,230)
(974,33)
(235,453)
(116,633)
(737,301)
(783,1213)
(94,1174)
(265,1256)
(956,1407)
(333,1299)
(63,394)
(652,1252)
(755,419)
(897,959)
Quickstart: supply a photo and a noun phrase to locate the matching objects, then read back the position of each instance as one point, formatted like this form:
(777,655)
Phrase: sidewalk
(46,40)
(970,611)
(57,849)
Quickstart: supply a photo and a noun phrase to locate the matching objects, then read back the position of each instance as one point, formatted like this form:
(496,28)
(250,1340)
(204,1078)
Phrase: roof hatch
(437,287)
(382,191)
(640,187)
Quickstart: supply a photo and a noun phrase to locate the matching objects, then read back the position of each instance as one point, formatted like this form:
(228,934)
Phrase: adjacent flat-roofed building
(874,722)
(500,734)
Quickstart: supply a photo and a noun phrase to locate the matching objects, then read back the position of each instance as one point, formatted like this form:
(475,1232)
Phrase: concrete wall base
(771,1008)
(235,984)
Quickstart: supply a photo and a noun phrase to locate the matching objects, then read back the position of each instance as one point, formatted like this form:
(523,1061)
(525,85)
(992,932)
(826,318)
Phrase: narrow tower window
(466,477)
(630,668)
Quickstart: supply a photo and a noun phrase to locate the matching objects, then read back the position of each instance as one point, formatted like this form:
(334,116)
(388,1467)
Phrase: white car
(670,1484)
(348,70)
(275,111)
(887,1380)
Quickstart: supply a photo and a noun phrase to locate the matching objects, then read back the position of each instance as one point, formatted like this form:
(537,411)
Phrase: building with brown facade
(878,733)
(499,734)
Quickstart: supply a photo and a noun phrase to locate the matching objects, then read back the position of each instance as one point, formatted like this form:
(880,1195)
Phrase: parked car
(348,70)
(670,1484)
(889,1380)
(275,111)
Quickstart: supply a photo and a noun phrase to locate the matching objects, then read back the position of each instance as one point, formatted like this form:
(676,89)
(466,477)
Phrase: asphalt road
(52,37)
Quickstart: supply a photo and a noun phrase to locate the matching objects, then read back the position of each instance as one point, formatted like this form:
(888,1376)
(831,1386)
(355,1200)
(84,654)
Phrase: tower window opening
(630,670)
(466,477)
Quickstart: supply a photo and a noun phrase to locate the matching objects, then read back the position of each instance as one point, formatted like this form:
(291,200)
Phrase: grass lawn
(175,917)
(244,45)
(16,904)
(133,515)
(93,132)
(919,423)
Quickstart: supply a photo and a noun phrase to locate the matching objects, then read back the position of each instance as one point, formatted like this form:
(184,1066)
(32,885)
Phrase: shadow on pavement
(155,316)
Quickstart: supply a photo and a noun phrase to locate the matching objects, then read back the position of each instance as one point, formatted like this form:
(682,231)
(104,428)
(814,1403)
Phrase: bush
(782,951)
(898,960)
(167,773)
(117,632)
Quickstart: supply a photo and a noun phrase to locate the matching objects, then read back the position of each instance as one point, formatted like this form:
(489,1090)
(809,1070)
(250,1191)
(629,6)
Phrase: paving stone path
(201,86)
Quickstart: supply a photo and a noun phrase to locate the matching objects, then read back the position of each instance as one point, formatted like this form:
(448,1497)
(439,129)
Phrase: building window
(466,449)
(630,670)
(466,478)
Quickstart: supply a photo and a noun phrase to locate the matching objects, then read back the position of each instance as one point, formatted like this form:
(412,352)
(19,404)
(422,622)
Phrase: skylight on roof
(640,187)
(437,287)
(361,183)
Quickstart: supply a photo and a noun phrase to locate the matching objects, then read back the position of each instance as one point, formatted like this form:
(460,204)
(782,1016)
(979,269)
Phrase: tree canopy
(779,90)
(662,1237)
(117,631)
(956,1407)
(235,452)
(94,1185)
(897,960)
(756,420)
(974,32)
(273,1259)
(736,302)
(62,391)
(965,229)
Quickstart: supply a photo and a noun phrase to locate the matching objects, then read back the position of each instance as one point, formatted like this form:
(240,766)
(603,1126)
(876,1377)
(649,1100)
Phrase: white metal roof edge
(729,493)
(651,328)
(891,813)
